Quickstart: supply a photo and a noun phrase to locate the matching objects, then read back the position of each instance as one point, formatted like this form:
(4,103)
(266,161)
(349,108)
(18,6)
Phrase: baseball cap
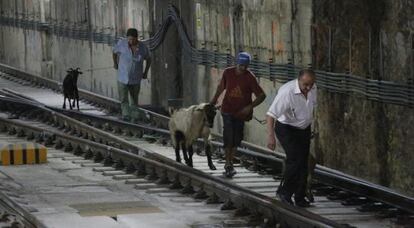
(243,58)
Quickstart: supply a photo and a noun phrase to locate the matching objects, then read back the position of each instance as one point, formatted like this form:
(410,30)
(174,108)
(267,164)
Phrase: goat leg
(177,147)
(208,153)
(70,104)
(184,148)
(64,102)
(190,156)
(177,153)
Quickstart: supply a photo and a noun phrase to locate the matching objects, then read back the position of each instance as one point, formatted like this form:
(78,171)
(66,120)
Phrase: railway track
(339,195)
(36,122)
(13,212)
(20,197)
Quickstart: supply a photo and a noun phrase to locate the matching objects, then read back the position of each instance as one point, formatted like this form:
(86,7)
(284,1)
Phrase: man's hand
(116,66)
(271,143)
(145,75)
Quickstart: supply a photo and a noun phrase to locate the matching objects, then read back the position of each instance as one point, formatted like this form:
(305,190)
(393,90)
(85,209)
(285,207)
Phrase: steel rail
(323,174)
(22,216)
(242,197)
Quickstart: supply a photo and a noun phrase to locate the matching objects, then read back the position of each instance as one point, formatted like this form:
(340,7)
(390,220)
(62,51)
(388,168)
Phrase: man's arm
(271,141)
(259,99)
(147,66)
(278,108)
(115,53)
(115,58)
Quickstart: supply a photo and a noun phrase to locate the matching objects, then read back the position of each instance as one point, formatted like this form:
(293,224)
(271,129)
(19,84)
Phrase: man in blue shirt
(129,55)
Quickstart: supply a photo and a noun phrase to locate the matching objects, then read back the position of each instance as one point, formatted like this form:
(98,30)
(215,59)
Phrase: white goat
(187,125)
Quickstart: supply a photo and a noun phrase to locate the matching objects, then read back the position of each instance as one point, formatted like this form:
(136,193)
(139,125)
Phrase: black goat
(70,87)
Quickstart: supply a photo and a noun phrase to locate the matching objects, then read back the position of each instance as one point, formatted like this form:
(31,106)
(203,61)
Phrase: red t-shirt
(239,90)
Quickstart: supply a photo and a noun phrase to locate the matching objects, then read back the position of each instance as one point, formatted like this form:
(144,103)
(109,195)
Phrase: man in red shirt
(237,106)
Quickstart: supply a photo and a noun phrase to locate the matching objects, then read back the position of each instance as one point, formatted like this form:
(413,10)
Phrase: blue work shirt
(130,67)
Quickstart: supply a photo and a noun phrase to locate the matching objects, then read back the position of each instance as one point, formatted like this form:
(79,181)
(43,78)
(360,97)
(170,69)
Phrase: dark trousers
(232,131)
(296,143)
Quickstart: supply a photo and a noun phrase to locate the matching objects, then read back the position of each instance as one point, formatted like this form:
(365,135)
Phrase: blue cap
(243,58)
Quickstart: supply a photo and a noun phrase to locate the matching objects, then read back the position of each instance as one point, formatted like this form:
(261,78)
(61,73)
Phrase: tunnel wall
(373,39)
(365,138)
(277,31)
(50,55)
(270,30)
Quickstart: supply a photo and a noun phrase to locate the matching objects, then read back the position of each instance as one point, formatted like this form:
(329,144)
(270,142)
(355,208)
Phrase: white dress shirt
(291,107)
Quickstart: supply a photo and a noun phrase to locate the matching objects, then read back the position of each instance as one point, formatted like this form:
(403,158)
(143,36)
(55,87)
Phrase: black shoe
(125,118)
(232,171)
(229,171)
(302,203)
(226,170)
(284,199)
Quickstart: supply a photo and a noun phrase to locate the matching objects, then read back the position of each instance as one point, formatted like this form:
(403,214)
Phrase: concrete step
(71,158)
(102,169)
(113,172)
(146,186)
(136,181)
(123,176)
(92,165)
(158,190)
(83,161)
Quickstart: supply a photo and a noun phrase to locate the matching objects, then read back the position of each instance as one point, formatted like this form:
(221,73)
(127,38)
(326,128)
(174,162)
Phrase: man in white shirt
(293,111)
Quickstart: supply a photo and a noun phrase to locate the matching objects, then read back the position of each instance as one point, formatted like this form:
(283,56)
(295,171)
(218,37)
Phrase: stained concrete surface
(63,194)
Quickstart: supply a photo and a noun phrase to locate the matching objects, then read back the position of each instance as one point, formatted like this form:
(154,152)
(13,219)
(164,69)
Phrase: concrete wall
(373,39)
(277,30)
(50,55)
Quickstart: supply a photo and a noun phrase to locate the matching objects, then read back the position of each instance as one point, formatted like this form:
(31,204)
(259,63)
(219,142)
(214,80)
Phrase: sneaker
(284,199)
(125,118)
(226,168)
(302,203)
(229,171)
(232,171)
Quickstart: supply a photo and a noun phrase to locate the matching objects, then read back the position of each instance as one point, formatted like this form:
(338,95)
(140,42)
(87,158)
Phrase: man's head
(243,61)
(132,35)
(306,80)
